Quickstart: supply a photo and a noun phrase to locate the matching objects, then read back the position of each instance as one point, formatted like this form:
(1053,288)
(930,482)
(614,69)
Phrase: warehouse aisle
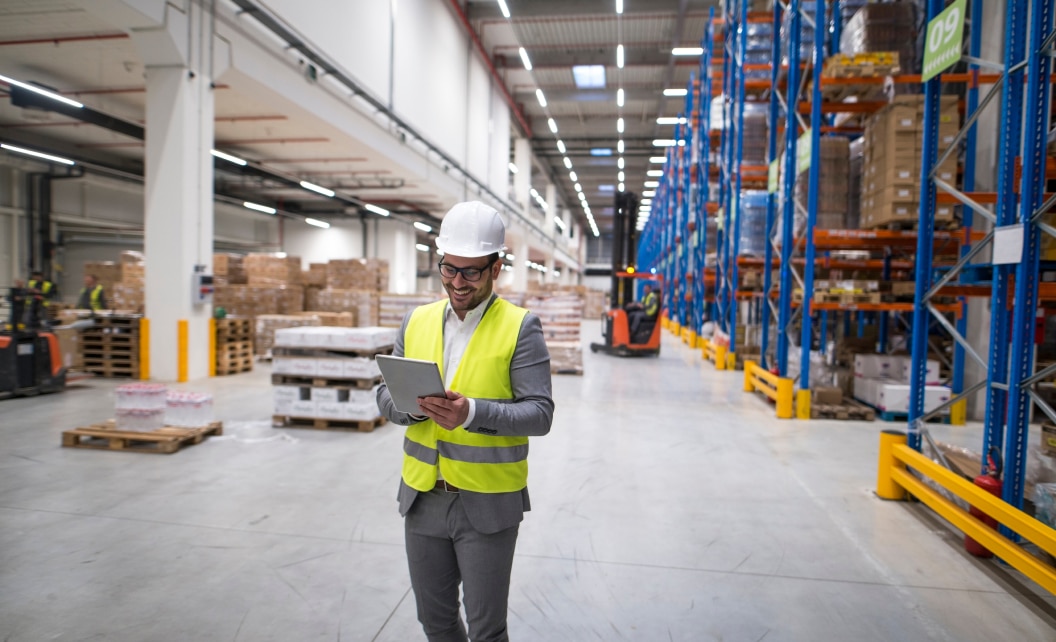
(668,505)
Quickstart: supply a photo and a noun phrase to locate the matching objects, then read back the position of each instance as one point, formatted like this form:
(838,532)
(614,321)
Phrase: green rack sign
(771,178)
(942,43)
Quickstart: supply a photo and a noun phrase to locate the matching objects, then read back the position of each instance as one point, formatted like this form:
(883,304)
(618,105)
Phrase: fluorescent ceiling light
(606,188)
(619,162)
(568,163)
(30,152)
(582,196)
(619,177)
(317,223)
(589,76)
(380,211)
(649,193)
(619,97)
(663,142)
(671,120)
(561,146)
(558,222)
(553,125)
(534,193)
(259,208)
(645,208)
(619,56)
(619,6)
(619,125)
(423,227)
(573,177)
(524,59)
(511,257)
(578,187)
(675,92)
(421,247)
(658,159)
(620,187)
(619,146)
(646,201)
(504,9)
(687,51)
(513,168)
(651,183)
(540,97)
(655,172)
(600,151)
(318,189)
(229,158)
(43,92)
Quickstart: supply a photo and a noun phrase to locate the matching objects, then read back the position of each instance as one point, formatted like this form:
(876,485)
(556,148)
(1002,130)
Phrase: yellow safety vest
(95,299)
(469,460)
(45,288)
(652,304)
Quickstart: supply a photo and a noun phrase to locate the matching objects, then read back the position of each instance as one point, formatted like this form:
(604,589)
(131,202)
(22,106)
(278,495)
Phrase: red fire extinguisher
(990,482)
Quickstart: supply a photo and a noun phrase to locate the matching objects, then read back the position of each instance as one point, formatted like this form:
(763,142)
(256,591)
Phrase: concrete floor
(669,505)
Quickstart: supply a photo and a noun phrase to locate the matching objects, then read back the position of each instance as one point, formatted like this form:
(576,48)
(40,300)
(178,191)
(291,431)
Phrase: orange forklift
(30,360)
(616,325)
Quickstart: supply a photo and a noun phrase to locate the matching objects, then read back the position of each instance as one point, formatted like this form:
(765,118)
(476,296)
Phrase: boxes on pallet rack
(254,300)
(229,269)
(393,307)
(881,381)
(273,269)
(324,377)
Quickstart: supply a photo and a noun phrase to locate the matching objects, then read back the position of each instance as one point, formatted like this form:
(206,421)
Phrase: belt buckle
(448,488)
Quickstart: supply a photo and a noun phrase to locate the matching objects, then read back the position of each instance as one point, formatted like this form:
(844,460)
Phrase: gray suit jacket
(528,414)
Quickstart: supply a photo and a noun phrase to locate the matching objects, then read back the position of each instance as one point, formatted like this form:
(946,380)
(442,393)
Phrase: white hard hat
(471,229)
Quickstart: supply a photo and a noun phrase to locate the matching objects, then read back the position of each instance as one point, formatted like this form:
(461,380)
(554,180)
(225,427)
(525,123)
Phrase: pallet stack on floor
(324,377)
(234,345)
(560,313)
(111,347)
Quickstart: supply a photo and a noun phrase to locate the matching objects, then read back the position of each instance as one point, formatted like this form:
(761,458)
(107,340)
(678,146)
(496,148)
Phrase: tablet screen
(408,379)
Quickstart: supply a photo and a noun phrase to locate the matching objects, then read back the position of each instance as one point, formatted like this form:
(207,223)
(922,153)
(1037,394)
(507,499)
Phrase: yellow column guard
(144,349)
(777,388)
(212,347)
(181,350)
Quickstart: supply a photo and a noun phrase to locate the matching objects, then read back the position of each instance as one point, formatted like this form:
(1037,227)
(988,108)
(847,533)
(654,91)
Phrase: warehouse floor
(668,505)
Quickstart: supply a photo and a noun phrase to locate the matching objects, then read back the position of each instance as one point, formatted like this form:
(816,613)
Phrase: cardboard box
(877,366)
(827,396)
(1048,439)
(894,397)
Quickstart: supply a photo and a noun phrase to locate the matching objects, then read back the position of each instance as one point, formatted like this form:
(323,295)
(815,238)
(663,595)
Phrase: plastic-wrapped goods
(755,121)
(751,208)
(139,419)
(1045,504)
(833,184)
(758,44)
(188,409)
(806,34)
(884,27)
(718,117)
(140,396)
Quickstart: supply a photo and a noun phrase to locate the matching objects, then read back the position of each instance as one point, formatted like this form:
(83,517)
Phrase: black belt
(441,484)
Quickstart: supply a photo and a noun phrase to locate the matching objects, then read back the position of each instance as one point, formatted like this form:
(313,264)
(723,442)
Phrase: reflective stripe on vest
(45,288)
(469,460)
(652,303)
(94,301)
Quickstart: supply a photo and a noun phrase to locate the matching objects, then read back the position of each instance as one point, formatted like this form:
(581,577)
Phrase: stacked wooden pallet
(324,377)
(111,347)
(234,345)
(167,440)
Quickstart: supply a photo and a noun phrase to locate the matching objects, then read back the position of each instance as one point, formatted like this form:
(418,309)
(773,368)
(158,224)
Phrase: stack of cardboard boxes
(833,185)
(882,381)
(891,162)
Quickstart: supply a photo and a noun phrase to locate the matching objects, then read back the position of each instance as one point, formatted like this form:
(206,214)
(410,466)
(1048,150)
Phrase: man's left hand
(450,412)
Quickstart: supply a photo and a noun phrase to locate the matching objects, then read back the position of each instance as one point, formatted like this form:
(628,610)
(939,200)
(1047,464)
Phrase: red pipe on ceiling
(527,129)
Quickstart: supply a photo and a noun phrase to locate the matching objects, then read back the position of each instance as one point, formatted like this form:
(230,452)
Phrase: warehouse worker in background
(42,287)
(92,296)
(646,309)
(464,487)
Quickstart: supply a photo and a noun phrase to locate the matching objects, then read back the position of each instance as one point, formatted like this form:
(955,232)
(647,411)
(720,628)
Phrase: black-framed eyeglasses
(469,273)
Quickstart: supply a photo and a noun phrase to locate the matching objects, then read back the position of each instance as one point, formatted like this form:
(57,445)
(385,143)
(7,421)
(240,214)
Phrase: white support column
(178,189)
(551,264)
(522,181)
(520,265)
(551,208)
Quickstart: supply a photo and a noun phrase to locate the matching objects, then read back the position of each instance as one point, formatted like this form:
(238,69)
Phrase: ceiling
(558,35)
(62,45)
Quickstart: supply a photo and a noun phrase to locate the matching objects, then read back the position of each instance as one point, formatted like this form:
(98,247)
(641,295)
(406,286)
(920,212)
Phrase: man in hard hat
(464,486)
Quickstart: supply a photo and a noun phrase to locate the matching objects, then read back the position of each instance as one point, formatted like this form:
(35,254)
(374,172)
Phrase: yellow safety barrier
(756,379)
(720,356)
(144,348)
(731,360)
(212,347)
(694,340)
(181,350)
(959,412)
(894,481)
(803,404)
(664,323)
(707,350)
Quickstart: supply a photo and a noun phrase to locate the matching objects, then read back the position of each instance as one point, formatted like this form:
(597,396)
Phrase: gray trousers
(443,549)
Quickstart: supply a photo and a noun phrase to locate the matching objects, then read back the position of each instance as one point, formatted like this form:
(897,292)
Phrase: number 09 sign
(942,46)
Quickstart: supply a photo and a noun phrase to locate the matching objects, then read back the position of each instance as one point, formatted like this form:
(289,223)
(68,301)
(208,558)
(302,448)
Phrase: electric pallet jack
(30,358)
(616,327)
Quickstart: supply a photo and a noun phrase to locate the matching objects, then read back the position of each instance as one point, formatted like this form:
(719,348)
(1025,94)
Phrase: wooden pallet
(348,425)
(846,298)
(324,382)
(233,365)
(234,349)
(164,441)
(862,65)
(849,409)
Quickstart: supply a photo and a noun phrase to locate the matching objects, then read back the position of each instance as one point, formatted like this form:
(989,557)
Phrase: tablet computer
(408,379)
